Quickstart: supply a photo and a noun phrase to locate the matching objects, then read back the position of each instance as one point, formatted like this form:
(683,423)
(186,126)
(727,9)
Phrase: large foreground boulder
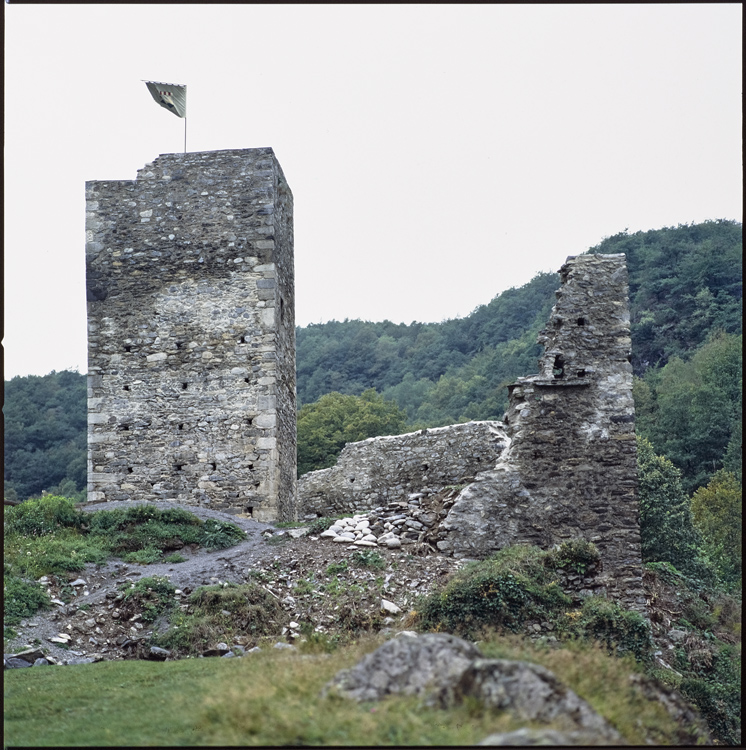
(406,665)
(546,738)
(445,670)
(529,692)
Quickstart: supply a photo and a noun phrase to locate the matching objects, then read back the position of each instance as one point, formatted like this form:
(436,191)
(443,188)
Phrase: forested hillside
(45,434)
(686,307)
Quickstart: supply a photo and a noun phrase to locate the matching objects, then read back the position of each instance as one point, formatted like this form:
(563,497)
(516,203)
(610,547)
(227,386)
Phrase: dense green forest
(686,307)
(45,435)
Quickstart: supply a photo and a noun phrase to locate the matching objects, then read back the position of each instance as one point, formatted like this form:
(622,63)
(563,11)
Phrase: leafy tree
(665,516)
(716,511)
(691,411)
(45,432)
(335,419)
(685,282)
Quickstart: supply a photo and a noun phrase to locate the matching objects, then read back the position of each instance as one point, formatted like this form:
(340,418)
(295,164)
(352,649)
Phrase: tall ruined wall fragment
(571,469)
(191,334)
(379,470)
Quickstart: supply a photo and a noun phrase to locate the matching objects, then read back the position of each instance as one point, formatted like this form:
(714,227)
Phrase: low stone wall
(380,470)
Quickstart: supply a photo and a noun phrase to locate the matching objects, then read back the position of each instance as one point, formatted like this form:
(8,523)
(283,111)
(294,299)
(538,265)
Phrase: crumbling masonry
(191,334)
(567,466)
(571,468)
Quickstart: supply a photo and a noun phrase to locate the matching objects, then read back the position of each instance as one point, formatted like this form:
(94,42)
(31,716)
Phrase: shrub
(41,516)
(250,609)
(22,599)
(623,631)
(66,551)
(576,556)
(720,706)
(219,534)
(152,597)
(502,592)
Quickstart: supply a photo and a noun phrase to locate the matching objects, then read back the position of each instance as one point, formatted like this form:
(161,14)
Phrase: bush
(66,551)
(219,534)
(152,597)
(250,610)
(576,556)
(22,599)
(720,706)
(502,592)
(623,631)
(41,516)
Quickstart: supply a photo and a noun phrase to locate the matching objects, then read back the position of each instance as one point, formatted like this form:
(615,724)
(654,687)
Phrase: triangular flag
(171,96)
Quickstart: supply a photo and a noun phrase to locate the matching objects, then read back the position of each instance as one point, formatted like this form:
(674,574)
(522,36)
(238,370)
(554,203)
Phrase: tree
(692,410)
(45,432)
(716,511)
(335,419)
(665,516)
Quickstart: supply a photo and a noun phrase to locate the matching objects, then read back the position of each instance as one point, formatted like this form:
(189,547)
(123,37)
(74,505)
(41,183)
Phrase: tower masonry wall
(191,334)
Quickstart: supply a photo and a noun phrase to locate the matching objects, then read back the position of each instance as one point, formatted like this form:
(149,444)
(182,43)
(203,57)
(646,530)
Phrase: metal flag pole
(185,119)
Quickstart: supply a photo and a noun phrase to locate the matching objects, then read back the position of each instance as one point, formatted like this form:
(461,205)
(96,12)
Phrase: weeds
(368,559)
(621,630)
(576,556)
(151,597)
(22,599)
(215,612)
(145,556)
(42,516)
(320,525)
(335,568)
(504,591)
(303,588)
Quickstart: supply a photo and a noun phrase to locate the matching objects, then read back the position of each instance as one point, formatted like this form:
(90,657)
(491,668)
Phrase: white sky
(438,155)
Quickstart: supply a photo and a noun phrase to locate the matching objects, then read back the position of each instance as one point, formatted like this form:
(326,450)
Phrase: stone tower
(571,468)
(191,334)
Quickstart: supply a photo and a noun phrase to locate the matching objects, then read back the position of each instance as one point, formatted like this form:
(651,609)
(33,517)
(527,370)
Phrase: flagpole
(184,133)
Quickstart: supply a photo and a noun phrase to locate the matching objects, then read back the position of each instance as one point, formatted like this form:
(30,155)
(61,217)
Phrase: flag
(171,96)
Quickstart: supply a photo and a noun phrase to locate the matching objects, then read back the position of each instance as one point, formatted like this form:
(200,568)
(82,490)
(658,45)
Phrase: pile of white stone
(390,526)
(353,530)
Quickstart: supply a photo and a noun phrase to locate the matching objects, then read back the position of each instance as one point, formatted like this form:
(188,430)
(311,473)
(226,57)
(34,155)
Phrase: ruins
(375,471)
(191,334)
(566,463)
(192,381)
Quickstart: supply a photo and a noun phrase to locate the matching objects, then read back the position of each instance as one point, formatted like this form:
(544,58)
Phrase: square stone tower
(191,334)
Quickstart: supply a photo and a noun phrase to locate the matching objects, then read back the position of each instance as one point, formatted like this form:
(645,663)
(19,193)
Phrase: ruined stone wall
(571,469)
(191,334)
(380,470)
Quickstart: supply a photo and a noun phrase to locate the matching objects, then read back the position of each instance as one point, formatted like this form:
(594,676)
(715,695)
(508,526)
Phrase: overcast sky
(438,155)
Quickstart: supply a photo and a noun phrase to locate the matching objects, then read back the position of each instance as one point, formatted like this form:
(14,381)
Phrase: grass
(273,698)
(50,536)
(601,679)
(216,613)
